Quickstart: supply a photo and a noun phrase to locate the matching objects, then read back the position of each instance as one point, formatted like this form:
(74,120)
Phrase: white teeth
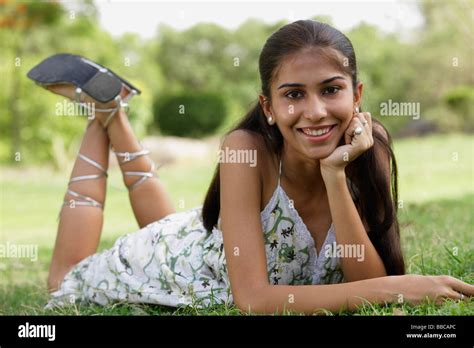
(316,132)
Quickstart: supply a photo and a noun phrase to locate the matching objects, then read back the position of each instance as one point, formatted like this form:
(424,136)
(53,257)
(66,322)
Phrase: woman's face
(312,103)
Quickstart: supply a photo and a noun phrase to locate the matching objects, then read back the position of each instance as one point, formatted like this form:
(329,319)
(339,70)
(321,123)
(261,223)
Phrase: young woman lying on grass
(313,225)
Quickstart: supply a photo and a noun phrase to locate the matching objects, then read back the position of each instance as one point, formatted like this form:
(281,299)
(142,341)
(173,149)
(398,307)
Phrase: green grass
(436,192)
(435,167)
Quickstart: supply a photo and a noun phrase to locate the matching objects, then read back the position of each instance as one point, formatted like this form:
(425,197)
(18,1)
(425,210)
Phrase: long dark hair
(377,197)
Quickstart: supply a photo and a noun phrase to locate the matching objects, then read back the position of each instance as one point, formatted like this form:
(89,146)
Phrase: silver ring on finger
(357,131)
(462,296)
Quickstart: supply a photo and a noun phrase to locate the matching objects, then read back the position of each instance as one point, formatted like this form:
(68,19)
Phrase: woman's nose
(315,109)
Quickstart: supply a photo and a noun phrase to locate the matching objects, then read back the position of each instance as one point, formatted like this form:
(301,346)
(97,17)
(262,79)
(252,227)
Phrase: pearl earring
(356,110)
(270,120)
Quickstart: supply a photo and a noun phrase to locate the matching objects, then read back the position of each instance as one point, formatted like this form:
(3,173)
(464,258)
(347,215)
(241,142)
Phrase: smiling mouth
(320,131)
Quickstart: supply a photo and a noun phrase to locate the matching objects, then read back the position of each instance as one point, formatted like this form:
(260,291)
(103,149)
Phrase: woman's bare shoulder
(266,163)
(248,139)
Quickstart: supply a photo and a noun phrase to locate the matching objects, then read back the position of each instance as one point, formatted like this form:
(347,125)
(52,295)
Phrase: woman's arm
(350,231)
(310,299)
(240,199)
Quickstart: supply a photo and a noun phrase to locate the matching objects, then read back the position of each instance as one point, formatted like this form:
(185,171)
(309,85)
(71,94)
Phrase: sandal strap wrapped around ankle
(130,156)
(87,177)
(90,176)
(93,163)
(87,201)
(83,199)
(119,102)
(144,176)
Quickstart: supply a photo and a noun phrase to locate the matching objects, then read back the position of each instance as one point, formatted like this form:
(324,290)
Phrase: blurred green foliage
(429,66)
(190,114)
(460,100)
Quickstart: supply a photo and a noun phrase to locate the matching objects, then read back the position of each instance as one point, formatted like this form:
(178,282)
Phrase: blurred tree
(385,70)
(190,114)
(18,18)
(442,58)
(44,136)
(207,57)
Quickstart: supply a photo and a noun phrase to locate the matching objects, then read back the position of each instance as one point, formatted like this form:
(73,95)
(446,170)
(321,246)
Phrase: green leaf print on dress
(331,274)
(290,249)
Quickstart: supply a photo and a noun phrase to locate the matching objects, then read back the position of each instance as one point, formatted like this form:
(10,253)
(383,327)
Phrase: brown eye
(294,94)
(332,90)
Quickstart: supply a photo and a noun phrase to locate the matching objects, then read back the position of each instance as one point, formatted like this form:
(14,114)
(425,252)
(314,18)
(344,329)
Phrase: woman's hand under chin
(355,145)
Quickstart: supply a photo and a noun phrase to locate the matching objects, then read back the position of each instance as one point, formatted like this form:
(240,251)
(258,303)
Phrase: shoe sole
(97,81)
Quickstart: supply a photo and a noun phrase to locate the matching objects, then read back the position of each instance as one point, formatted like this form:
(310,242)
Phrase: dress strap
(279,174)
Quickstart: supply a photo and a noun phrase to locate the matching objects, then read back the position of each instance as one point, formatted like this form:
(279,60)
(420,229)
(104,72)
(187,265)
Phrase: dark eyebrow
(332,79)
(291,85)
(321,83)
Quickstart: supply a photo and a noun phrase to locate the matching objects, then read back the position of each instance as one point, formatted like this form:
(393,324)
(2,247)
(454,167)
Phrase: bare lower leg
(80,226)
(150,200)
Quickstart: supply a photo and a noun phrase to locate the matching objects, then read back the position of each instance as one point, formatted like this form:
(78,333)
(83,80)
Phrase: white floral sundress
(176,262)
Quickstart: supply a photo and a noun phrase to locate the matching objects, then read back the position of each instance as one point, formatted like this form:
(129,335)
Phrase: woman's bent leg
(149,199)
(81,219)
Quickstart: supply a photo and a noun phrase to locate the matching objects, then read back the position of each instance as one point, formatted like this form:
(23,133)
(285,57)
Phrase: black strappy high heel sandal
(97,81)
(100,83)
